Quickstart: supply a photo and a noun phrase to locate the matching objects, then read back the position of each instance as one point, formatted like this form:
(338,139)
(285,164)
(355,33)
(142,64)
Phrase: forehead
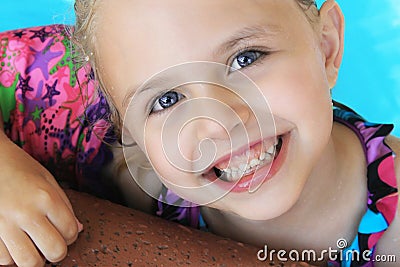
(165,19)
(162,33)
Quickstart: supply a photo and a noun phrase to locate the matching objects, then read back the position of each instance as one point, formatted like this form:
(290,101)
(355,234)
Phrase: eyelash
(155,101)
(261,55)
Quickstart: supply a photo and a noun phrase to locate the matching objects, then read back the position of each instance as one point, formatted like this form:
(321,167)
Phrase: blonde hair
(84,39)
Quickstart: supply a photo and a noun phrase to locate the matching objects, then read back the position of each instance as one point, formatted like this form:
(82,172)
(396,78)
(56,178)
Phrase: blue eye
(167,100)
(245,59)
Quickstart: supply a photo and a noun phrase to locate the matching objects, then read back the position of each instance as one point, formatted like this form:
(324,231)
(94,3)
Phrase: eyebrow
(246,34)
(153,83)
(243,36)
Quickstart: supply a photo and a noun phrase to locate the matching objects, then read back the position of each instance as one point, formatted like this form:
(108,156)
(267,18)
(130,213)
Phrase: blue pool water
(369,79)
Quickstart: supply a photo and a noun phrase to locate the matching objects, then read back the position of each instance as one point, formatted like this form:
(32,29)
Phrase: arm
(36,218)
(32,208)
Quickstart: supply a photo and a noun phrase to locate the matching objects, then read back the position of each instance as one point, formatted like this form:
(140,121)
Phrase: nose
(225,113)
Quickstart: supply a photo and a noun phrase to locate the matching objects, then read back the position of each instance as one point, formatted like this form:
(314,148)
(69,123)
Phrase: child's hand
(36,217)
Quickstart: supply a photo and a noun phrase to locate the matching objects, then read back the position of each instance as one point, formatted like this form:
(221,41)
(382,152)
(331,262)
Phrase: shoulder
(394,143)
(389,245)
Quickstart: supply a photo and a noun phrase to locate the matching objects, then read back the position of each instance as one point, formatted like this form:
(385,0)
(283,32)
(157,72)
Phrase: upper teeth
(233,174)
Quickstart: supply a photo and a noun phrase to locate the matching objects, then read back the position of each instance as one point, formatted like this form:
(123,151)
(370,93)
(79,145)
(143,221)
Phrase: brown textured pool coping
(115,235)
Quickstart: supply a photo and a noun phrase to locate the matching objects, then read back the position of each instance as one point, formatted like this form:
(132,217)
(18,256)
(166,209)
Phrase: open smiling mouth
(256,164)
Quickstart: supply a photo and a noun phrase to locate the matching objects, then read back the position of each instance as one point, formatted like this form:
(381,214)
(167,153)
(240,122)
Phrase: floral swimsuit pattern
(51,109)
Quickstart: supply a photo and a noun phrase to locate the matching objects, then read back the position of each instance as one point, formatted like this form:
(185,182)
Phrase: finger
(21,249)
(64,221)
(47,239)
(65,198)
(59,190)
(68,203)
(5,257)
(59,214)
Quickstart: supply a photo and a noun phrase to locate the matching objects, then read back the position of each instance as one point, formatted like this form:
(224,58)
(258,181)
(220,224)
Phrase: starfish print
(61,73)
(64,134)
(36,114)
(42,59)
(51,91)
(23,84)
(19,34)
(41,34)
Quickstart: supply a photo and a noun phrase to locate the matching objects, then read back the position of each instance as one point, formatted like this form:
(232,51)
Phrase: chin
(253,209)
(260,215)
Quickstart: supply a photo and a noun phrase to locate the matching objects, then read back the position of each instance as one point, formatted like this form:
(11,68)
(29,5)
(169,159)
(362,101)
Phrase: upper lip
(239,151)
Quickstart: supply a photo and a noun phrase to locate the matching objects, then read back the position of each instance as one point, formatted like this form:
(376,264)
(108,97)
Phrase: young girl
(314,174)
(273,161)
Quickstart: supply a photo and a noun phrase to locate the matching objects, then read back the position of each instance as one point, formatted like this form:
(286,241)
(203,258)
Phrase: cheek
(166,157)
(299,93)
(173,173)
(296,90)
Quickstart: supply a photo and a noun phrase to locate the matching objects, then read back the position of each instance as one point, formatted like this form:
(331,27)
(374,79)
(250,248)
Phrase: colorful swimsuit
(53,112)
(51,109)
(382,186)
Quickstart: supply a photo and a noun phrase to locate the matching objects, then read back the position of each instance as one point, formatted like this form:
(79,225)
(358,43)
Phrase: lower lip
(262,174)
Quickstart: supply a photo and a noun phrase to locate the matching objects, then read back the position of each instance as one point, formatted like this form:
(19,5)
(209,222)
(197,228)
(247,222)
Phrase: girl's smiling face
(292,61)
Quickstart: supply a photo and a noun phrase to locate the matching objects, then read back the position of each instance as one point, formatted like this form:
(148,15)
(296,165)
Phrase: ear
(332,39)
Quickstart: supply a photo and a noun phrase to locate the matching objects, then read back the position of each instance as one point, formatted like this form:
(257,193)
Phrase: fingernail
(80,226)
